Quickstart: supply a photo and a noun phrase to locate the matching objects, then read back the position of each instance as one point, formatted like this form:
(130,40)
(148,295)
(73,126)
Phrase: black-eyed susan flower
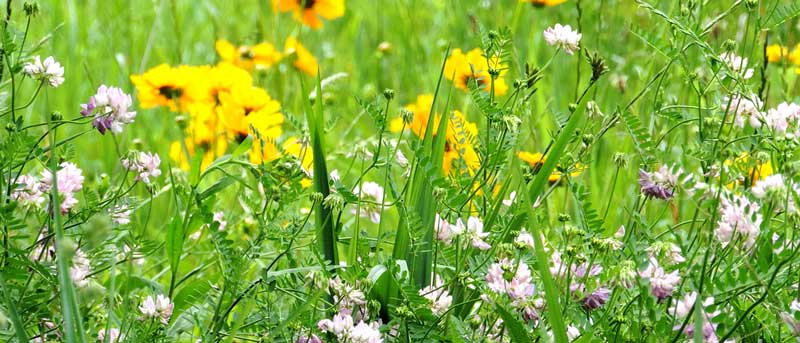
(303,60)
(463,68)
(544,3)
(259,56)
(309,12)
(165,86)
(460,132)
(211,150)
(250,106)
(216,80)
(536,160)
(776,53)
(204,123)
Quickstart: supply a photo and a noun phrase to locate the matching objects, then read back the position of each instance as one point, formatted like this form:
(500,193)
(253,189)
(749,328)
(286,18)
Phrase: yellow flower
(463,68)
(460,132)
(536,160)
(309,11)
(776,53)
(263,151)
(260,56)
(216,80)
(250,106)
(211,149)
(303,59)
(794,56)
(542,3)
(754,171)
(165,86)
(204,124)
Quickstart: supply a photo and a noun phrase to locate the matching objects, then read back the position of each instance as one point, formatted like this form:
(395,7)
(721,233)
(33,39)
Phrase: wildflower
(80,270)
(543,3)
(250,106)
(48,71)
(161,308)
(222,78)
(596,299)
(463,69)
(166,86)
(219,218)
(303,60)
(536,161)
(365,333)
(374,193)
(114,335)
(309,338)
(738,217)
(778,119)
(662,284)
(438,296)
(347,296)
(776,53)
(120,215)
(659,184)
(508,277)
(210,148)
(685,307)
(625,275)
(737,64)
(110,107)
(524,239)
(458,140)
(309,12)
(476,234)
(342,327)
(28,191)
(510,201)
(144,163)
(746,108)
(70,181)
(563,37)
(300,149)
(260,56)
(789,318)
(443,232)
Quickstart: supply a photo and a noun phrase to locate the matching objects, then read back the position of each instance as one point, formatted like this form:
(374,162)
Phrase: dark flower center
(248,110)
(205,146)
(246,54)
(480,80)
(307,4)
(240,137)
(170,92)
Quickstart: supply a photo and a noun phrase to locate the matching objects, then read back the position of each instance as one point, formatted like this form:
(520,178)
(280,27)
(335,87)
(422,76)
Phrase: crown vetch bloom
(373,192)
(476,234)
(161,308)
(513,279)
(48,71)
(80,270)
(28,191)
(684,307)
(110,109)
(114,335)
(438,296)
(746,108)
(737,64)
(144,163)
(70,181)
(563,37)
(738,218)
(659,184)
(662,284)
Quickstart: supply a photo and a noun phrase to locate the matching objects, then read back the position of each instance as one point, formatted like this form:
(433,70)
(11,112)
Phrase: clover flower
(109,106)
(49,70)
(563,37)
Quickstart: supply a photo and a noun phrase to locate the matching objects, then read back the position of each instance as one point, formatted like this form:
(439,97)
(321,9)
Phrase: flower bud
(56,116)
(31,8)
(407,116)
(388,94)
